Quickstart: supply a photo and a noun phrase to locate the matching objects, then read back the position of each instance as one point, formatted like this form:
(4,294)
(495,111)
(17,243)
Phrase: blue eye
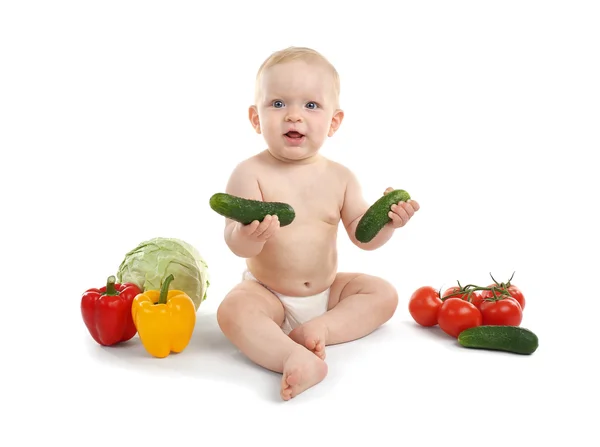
(277,104)
(311,105)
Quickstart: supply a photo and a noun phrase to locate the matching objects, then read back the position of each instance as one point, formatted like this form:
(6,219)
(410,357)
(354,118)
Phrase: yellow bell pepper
(164,319)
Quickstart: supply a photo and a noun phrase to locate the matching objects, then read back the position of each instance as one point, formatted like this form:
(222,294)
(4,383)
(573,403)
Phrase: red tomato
(456,315)
(506,311)
(476,298)
(424,305)
(452,290)
(514,291)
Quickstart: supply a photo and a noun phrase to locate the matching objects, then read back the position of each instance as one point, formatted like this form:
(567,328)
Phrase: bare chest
(314,196)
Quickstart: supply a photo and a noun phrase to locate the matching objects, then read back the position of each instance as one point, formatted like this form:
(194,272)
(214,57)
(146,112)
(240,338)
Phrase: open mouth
(294,135)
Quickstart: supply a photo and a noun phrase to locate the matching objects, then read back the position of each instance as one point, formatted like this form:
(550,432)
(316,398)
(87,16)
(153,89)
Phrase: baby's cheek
(323,129)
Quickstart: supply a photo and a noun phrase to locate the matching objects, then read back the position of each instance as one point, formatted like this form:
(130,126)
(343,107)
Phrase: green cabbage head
(152,261)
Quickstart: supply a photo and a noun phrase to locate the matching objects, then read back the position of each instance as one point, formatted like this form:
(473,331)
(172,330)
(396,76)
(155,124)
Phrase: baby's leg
(250,316)
(358,304)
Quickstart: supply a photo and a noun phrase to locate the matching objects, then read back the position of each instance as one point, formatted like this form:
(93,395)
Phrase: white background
(118,121)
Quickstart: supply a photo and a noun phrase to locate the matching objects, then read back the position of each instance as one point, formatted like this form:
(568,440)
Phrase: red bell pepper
(107,314)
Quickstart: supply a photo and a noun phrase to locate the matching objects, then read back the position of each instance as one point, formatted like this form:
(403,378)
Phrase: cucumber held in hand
(513,339)
(377,215)
(247,211)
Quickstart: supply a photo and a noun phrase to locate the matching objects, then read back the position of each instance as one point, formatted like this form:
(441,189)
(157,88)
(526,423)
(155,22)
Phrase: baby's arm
(353,209)
(247,241)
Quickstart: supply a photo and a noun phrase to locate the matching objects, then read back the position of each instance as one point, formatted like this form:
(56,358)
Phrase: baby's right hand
(260,231)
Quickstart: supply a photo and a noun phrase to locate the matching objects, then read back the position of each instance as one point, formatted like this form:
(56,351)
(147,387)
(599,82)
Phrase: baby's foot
(313,336)
(301,371)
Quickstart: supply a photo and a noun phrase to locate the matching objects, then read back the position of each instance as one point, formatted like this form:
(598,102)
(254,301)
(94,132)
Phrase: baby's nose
(293,117)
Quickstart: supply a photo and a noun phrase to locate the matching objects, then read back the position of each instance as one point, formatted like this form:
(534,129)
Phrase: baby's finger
(396,220)
(407,208)
(263,226)
(273,227)
(415,205)
(401,212)
(250,228)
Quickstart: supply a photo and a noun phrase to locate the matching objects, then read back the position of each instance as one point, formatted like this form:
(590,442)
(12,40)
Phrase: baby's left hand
(401,212)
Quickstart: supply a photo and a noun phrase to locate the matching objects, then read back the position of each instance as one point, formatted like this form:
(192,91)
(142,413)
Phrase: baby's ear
(253,117)
(336,122)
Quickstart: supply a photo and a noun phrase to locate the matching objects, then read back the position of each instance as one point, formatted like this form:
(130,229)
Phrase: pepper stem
(164,290)
(110,286)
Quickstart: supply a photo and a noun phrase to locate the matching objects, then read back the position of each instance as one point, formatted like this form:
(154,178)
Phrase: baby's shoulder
(247,165)
(340,170)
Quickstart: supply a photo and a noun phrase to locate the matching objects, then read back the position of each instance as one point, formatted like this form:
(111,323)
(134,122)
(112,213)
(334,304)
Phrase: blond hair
(292,54)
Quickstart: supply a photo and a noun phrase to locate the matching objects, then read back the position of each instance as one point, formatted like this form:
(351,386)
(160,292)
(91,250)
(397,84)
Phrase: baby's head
(296,103)
(302,54)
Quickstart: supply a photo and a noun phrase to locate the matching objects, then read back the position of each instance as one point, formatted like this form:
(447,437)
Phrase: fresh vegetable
(512,289)
(480,317)
(106,312)
(513,339)
(474,294)
(476,299)
(247,211)
(456,291)
(152,261)
(376,216)
(501,311)
(456,315)
(463,293)
(424,305)
(164,319)
(517,294)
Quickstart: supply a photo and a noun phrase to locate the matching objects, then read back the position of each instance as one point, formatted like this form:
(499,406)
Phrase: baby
(292,301)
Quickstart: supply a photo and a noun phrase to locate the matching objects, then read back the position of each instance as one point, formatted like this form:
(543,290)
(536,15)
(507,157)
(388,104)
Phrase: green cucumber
(513,339)
(247,211)
(377,215)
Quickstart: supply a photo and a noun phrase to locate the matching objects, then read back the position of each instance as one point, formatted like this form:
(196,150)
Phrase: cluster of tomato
(460,308)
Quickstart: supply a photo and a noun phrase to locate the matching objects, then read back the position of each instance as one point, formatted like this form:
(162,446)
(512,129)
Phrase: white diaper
(298,310)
